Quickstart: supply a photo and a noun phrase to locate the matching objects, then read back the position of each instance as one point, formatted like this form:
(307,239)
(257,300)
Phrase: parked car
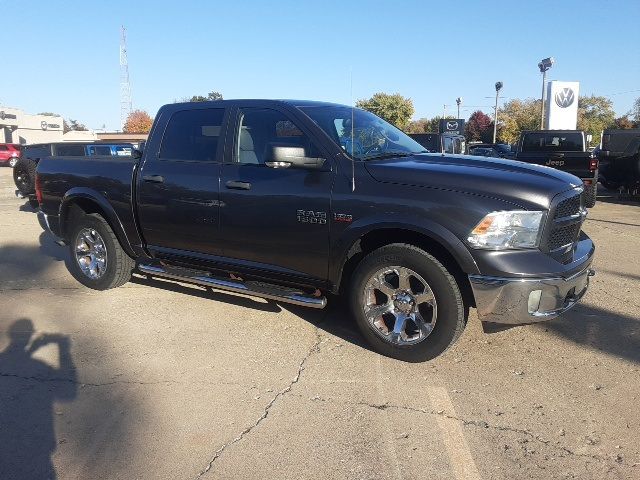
(502,150)
(564,150)
(619,157)
(24,170)
(261,197)
(9,154)
(484,152)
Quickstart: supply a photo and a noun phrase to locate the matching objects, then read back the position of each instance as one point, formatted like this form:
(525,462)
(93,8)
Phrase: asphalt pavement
(165,380)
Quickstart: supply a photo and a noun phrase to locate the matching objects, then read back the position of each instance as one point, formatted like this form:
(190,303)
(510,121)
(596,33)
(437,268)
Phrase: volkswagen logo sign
(452,125)
(43,125)
(565,97)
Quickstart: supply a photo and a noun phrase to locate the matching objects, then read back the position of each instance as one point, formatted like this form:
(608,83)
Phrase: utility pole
(125,86)
(458,102)
(495,111)
(544,65)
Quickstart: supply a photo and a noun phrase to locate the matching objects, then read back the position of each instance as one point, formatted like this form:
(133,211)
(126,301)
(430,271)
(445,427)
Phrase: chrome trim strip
(234,286)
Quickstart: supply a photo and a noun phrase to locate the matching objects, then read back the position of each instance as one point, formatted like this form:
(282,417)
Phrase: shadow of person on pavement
(28,389)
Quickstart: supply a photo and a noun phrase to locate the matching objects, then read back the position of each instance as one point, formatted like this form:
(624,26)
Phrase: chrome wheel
(12,162)
(91,253)
(400,306)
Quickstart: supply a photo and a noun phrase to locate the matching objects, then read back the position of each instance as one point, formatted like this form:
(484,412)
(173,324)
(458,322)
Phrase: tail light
(38,189)
(593,164)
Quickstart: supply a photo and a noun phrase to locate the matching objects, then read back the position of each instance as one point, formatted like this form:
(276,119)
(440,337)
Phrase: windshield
(362,134)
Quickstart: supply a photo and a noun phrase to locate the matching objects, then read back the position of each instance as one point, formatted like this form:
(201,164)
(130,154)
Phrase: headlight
(504,230)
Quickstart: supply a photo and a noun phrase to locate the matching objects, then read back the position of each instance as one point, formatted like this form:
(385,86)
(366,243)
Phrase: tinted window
(70,150)
(261,128)
(193,135)
(100,150)
(3,148)
(551,141)
(36,152)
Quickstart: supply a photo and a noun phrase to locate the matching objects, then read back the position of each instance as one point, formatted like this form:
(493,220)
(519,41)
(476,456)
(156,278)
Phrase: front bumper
(519,301)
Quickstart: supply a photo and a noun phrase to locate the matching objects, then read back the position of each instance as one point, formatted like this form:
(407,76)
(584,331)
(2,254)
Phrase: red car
(9,154)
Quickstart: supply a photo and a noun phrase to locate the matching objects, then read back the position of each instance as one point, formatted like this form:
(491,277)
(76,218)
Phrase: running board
(256,289)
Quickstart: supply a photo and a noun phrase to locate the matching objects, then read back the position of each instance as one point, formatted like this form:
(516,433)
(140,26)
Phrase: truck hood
(528,186)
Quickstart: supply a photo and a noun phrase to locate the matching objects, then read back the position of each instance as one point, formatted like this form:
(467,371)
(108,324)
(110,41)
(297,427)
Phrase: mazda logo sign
(43,125)
(452,125)
(565,97)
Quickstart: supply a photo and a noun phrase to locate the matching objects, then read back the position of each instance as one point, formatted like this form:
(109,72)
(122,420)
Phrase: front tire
(96,258)
(406,303)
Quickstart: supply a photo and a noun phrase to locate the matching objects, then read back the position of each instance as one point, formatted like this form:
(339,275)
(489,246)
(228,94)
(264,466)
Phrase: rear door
(178,185)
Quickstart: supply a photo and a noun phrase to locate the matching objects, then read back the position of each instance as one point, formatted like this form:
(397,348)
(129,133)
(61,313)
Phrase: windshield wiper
(388,155)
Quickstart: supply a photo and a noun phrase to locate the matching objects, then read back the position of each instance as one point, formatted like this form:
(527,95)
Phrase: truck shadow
(604,330)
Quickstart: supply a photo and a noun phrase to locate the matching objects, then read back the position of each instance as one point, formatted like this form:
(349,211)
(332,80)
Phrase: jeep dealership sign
(562,105)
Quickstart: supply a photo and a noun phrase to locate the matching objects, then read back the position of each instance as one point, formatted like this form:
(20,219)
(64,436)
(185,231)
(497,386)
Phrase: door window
(262,128)
(193,135)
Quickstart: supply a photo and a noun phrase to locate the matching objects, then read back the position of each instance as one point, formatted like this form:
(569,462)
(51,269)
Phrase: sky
(65,58)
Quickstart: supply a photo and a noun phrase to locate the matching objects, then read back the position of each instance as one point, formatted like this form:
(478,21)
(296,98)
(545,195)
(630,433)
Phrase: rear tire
(24,176)
(430,293)
(93,243)
(590,194)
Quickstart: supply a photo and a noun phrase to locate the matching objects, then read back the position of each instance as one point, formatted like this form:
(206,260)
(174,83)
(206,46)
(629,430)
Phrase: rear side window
(3,148)
(36,152)
(70,150)
(551,141)
(193,135)
(100,150)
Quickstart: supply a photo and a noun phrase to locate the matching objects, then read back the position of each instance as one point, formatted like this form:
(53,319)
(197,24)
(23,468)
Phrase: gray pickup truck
(274,199)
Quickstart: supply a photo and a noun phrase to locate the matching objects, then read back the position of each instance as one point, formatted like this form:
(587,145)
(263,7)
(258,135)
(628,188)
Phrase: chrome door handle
(238,185)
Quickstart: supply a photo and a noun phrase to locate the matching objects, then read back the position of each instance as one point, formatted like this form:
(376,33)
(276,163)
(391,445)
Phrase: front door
(274,219)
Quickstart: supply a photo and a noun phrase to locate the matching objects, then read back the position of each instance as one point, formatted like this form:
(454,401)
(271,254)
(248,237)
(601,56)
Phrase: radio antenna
(353,162)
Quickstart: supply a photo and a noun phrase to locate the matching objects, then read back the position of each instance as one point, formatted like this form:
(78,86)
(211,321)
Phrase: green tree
(516,116)
(76,126)
(395,109)
(594,115)
(211,96)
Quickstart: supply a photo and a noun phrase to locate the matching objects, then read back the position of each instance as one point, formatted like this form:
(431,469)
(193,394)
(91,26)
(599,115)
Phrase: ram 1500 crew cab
(273,199)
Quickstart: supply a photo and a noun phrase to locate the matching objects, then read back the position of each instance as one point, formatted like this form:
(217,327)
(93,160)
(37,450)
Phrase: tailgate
(576,163)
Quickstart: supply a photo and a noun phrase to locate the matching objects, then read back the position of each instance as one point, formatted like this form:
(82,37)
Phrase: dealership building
(16,126)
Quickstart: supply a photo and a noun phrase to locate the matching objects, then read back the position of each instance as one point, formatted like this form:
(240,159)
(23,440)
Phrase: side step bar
(256,289)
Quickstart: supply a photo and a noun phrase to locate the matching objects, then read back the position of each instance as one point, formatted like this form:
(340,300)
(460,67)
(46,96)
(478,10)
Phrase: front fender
(79,195)
(342,245)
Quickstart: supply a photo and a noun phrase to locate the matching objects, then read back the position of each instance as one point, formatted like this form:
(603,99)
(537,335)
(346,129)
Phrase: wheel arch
(81,201)
(445,247)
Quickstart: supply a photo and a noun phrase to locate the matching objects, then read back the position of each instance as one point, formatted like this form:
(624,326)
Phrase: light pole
(458,102)
(544,65)
(495,111)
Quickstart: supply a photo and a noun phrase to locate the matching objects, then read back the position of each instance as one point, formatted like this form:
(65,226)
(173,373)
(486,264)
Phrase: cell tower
(125,86)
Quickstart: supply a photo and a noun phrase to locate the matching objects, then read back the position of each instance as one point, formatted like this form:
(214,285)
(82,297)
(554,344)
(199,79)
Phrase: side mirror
(136,154)
(285,156)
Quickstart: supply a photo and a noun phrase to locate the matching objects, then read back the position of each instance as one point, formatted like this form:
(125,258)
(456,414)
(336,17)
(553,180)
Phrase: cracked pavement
(165,380)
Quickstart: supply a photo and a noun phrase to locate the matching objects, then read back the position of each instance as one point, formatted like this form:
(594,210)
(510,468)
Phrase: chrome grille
(563,229)
(569,206)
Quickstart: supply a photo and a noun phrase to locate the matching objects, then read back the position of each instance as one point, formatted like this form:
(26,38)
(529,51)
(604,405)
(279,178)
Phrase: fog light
(534,301)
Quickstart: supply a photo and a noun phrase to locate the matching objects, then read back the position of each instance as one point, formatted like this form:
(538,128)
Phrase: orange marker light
(483,226)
